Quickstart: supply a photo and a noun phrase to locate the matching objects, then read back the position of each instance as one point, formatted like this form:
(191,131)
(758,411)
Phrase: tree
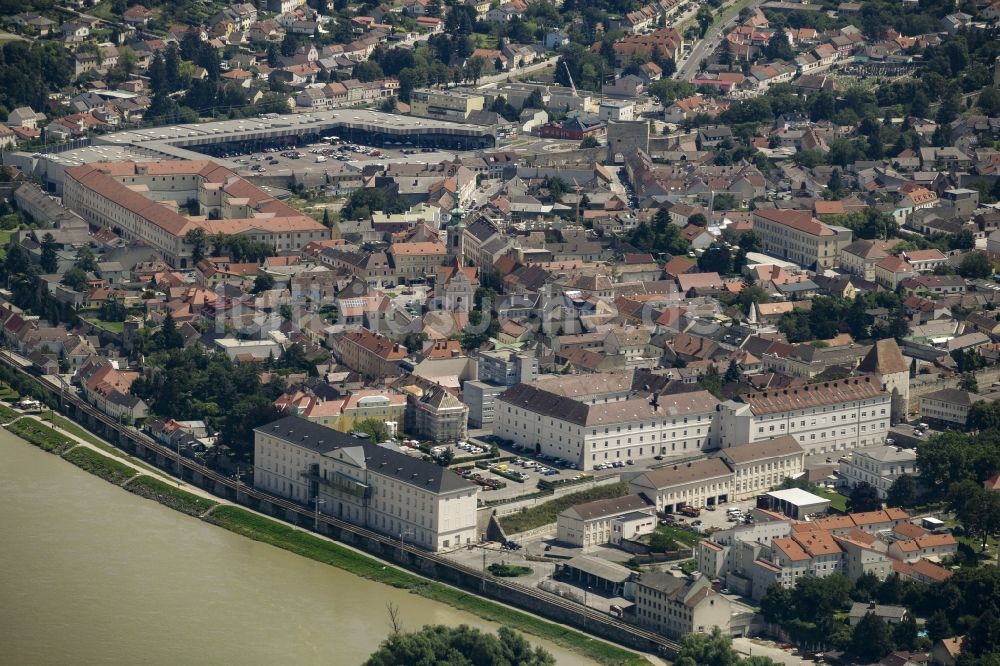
(938,626)
(198,240)
(714,649)
(904,634)
(263,282)
(977,508)
(902,492)
(459,646)
(975,265)
(75,279)
(716,259)
(983,416)
(779,48)
(698,220)
(711,381)
(49,261)
(589,142)
(85,259)
(968,382)
(984,638)
(374,428)
(871,639)
(863,497)
(733,373)
(112,309)
(168,335)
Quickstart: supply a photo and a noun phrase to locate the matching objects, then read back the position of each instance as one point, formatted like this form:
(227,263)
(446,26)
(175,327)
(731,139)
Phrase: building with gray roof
(371,485)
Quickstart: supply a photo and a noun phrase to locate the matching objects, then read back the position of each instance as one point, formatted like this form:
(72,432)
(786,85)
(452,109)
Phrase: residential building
(369,485)
(507,368)
(369,354)
(797,236)
(675,606)
(878,466)
(948,407)
(824,416)
(445,104)
(888,614)
(435,414)
(860,257)
(417,260)
(108,389)
(601,522)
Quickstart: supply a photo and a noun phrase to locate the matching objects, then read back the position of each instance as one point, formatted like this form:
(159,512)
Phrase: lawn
(100,465)
(110,326)
(175,498)
(681,536)
(40,435)
(837,501)
(543,514)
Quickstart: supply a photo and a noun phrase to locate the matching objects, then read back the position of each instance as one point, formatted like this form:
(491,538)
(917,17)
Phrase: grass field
(100,465)
(110,326)
(302,543)
(543,514)
(837,501)
(175,498)
(40,435)
(684,537)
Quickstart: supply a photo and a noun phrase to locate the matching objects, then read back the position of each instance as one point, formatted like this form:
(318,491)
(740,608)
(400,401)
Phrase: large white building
(878,466)
(594,419)
(707,482)
(797,236)
(823,417)
(759,466)
(366,484)
(604,521)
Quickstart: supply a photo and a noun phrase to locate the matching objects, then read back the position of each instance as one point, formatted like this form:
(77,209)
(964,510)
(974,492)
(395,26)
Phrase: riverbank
(266,530)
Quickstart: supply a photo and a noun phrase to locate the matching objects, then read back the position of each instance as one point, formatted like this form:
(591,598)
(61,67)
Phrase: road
(704,47)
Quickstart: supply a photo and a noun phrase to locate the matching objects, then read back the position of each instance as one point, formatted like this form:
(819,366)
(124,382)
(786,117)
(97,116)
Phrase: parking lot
(318,157)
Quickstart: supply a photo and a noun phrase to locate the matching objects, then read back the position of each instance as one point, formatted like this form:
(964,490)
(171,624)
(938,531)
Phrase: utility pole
(316,521)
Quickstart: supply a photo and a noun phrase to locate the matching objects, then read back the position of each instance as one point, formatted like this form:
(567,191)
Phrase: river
(92,574)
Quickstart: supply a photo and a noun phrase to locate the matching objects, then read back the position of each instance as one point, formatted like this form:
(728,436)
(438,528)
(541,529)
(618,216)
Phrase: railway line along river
(92,574)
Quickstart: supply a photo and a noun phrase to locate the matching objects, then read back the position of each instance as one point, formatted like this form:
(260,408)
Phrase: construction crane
(571,85)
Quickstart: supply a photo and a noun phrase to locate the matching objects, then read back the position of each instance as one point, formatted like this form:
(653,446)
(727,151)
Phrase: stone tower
(626,136)
(885,360)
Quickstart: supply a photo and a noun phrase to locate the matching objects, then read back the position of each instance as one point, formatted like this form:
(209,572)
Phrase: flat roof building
(796,503)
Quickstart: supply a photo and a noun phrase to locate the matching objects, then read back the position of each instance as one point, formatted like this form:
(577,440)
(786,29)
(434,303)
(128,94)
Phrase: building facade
(823,417)
(878,466)
(597,419)
(760,466)
(365,484)
(798,236)
(594,524)
(707,482)
(146,201)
